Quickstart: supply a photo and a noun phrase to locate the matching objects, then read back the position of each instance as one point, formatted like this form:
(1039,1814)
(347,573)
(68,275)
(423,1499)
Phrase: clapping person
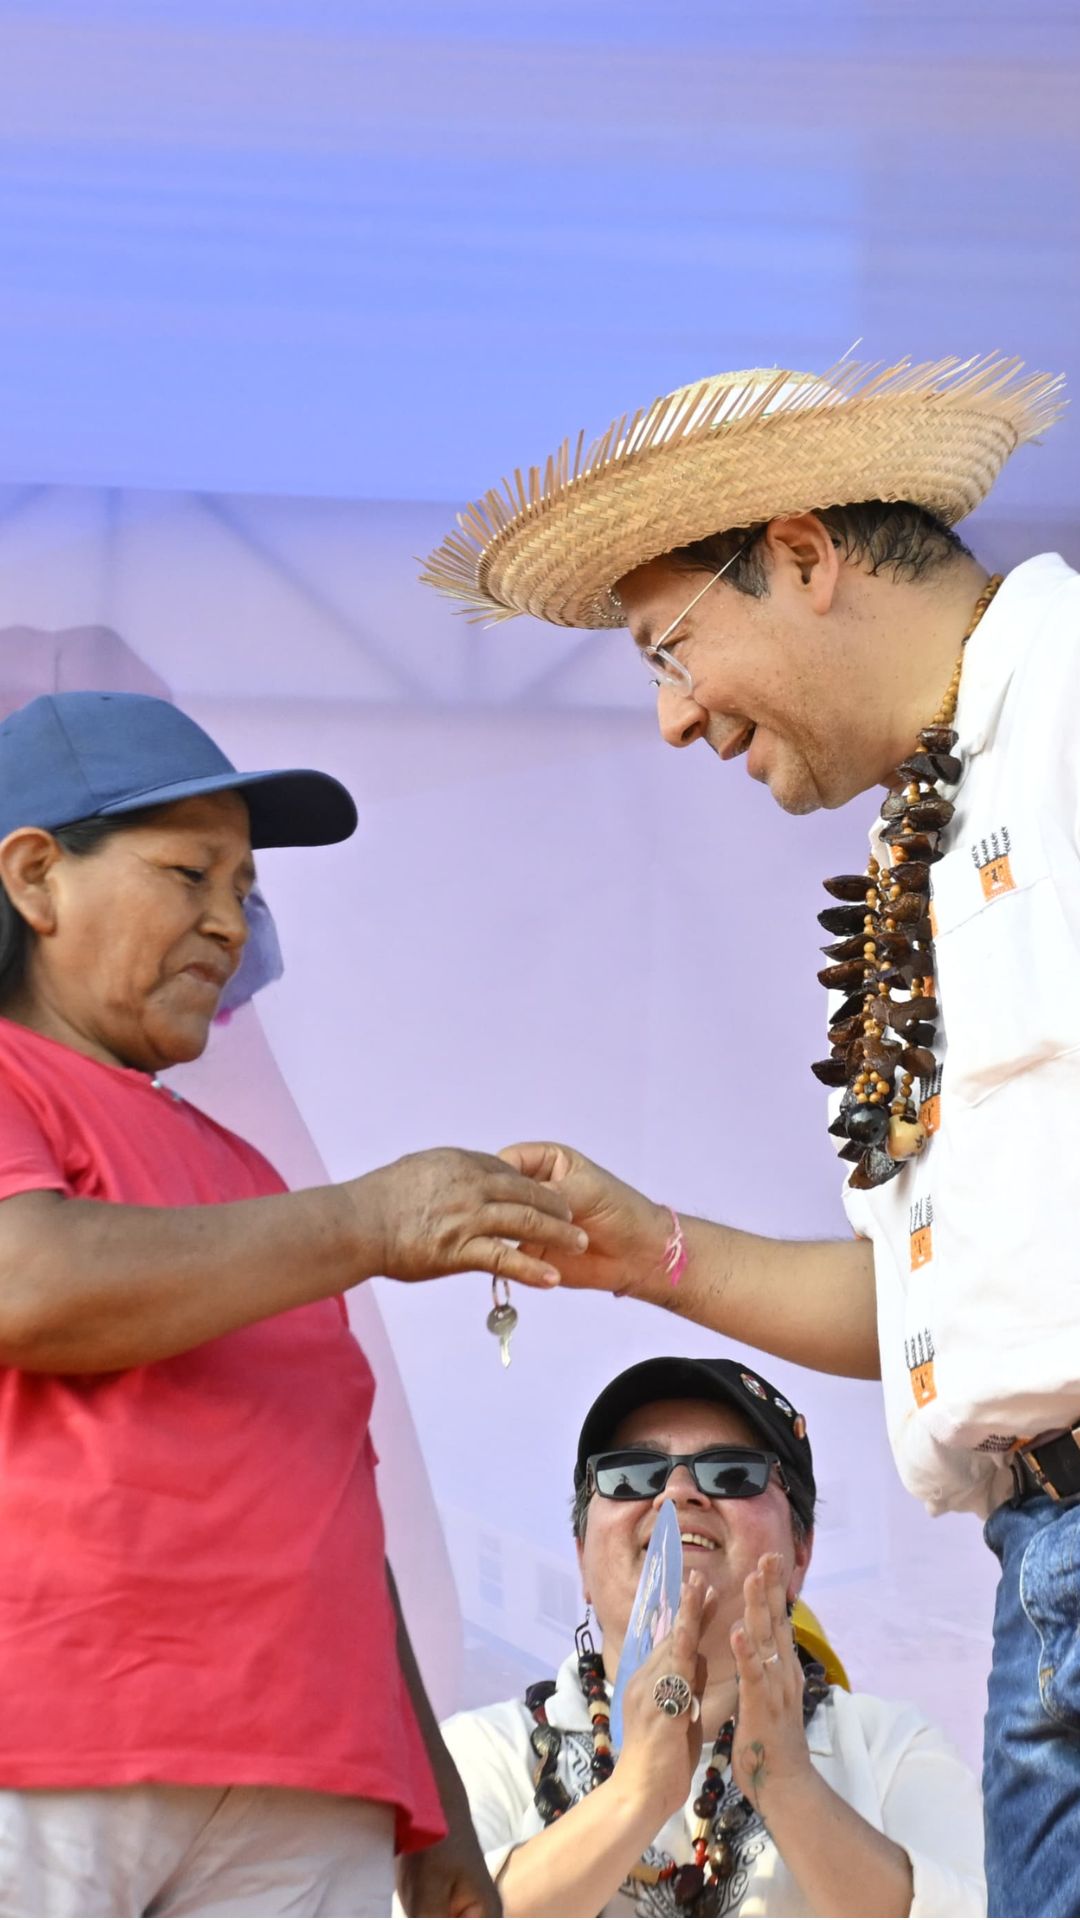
(745,1783)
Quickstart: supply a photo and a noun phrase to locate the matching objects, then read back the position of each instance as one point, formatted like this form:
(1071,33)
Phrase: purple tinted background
(367,259)
(545,926)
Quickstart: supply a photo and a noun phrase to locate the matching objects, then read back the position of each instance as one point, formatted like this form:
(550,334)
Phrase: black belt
(1050,1466)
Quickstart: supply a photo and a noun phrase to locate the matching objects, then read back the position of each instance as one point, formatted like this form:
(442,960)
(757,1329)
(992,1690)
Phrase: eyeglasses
(661,666)
(723,1473)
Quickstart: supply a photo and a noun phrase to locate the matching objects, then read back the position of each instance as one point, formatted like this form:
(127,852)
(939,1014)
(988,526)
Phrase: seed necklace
(881,1045)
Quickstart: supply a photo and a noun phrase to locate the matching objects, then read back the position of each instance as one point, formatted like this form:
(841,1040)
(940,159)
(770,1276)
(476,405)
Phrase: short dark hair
(81,837)
(884,536)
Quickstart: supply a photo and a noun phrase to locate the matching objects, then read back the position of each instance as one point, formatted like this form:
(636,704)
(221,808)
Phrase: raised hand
(627,1232)
(770,1751)
(660,1751)
(450,1211)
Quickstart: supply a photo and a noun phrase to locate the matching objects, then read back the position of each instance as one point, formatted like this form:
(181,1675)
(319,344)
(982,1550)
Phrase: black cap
(733,1383)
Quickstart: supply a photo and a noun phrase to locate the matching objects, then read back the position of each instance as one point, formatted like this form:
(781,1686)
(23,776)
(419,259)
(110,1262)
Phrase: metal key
(502,1320)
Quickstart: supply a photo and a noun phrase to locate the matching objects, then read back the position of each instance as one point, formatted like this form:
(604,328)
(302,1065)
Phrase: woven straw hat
(733,451)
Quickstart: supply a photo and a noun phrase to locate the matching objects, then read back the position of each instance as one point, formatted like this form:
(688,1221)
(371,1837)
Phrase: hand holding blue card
(655,1606)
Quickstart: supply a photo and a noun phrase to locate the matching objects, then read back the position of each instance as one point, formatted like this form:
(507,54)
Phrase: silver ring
(672,1694)
(769,1658)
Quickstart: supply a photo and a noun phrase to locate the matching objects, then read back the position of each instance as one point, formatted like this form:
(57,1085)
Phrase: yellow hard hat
(811,1635)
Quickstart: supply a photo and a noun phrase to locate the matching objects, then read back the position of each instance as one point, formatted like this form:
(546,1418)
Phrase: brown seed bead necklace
(881,1045)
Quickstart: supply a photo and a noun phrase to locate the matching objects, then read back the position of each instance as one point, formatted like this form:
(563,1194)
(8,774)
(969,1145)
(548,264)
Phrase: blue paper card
(655,1606)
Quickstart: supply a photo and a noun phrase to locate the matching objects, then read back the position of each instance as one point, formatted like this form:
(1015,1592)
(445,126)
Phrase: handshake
(538,1213)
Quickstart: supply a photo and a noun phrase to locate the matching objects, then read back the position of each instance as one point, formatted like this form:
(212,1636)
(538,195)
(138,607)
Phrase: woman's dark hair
(81,837)
(883,536)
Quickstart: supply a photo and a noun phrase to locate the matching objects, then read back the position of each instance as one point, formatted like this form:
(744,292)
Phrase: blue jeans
(1031,1766)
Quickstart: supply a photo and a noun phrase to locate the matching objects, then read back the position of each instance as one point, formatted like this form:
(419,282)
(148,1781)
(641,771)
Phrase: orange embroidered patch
(997,878)
(922,1384)
(922,1247)
(930,1113)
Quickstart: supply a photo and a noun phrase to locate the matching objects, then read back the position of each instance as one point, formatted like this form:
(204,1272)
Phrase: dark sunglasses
(723,1473)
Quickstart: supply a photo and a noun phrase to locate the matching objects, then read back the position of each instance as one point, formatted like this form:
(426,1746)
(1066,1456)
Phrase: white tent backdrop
(545,925)
(279,274)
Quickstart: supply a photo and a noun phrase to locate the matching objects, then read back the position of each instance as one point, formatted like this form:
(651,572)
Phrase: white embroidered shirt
(977,1241)
(883,1758)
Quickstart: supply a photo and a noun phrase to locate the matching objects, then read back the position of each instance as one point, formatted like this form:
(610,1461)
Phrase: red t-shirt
(192,1583)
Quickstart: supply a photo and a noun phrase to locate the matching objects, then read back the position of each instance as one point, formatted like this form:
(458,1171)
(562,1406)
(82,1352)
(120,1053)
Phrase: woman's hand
(660,1751)
(627,1233)
(450,1878)
(451,1211)
(841,1864)
(577,1865)
(770,1751)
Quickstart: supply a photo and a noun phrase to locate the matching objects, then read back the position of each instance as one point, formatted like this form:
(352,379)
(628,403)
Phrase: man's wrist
(662,1259)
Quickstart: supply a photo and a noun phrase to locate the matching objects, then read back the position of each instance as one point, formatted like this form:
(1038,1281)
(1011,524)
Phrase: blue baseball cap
(81,756)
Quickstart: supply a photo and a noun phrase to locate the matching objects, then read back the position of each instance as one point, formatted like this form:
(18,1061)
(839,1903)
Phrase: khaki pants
(254,1851)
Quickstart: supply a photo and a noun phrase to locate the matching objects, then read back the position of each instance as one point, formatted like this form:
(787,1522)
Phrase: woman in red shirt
(209,1702)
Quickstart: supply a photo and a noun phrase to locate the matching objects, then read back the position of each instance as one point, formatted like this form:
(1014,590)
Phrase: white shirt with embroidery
(883,1758)
(977,1242)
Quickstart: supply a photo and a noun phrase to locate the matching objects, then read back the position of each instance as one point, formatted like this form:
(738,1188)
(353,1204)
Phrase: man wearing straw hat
(781,547)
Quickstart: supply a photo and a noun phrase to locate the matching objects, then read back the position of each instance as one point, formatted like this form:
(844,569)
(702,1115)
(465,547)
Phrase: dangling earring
(583,1639)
